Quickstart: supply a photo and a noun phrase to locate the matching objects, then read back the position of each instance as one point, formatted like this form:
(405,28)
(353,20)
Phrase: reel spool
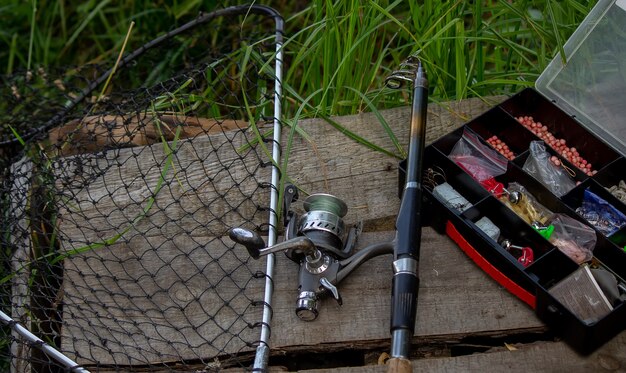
(323,222)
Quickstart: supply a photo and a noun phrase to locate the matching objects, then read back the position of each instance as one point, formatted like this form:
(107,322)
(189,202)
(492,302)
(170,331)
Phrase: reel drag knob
(306,306)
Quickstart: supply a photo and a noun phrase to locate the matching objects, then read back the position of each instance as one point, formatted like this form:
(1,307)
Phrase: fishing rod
(405,282)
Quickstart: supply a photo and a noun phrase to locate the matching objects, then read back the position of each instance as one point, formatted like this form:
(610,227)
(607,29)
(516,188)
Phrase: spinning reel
(318,242)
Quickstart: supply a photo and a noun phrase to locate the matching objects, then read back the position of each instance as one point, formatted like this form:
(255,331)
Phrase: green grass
(339,52)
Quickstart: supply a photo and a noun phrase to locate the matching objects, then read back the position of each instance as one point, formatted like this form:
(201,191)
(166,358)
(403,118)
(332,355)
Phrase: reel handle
(256,246)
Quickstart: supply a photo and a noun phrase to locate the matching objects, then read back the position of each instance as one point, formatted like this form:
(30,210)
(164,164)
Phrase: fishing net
(117,189)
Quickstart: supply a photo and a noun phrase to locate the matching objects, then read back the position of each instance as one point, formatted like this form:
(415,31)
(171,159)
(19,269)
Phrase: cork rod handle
(399,365)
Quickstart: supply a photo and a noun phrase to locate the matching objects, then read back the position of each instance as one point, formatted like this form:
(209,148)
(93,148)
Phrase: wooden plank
(102,203)
(154,299)
(96,132)
(455,300)
(535,357)
(21,172)
(365,179)
(133,285)
(208,186)
(106,191)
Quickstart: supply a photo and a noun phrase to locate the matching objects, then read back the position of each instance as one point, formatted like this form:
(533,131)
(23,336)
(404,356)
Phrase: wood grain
(535,357)
(365,179)
(97,132)
(209,180)
(455,300)
(22,172)
(208,186)
(156,299)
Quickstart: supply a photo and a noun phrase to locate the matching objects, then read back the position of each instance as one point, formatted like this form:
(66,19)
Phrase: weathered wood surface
(102,204)
(97,132)
(151,300)
(103,200)
(20,295)
(204,185)
(456,300)
(367,180)
(534,357)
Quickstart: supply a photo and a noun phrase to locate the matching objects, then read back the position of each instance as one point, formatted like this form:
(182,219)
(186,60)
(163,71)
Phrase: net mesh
(116,196)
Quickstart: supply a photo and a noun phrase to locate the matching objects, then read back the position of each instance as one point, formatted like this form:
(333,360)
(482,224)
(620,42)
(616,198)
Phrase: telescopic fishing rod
(408,223)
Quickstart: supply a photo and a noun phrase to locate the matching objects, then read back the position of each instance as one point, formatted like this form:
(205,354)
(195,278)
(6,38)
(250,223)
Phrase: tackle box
(582,101)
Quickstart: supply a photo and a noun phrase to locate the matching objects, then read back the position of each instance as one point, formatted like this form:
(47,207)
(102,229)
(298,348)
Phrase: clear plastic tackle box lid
(591,84)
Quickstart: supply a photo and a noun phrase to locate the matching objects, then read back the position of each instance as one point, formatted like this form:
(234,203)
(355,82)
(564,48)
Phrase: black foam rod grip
(404,301)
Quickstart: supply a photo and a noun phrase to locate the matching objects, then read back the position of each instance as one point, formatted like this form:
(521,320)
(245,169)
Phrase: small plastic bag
(481,161)
(573,238)
(599,213)
(541,168)
(526,205)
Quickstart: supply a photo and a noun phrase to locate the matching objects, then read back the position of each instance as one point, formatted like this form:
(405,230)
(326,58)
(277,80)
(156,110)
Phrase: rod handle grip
(399,365)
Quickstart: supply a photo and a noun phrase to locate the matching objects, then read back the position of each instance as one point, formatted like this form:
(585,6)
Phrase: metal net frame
(118,185)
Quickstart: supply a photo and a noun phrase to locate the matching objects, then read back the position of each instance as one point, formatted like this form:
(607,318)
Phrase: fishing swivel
(319,243)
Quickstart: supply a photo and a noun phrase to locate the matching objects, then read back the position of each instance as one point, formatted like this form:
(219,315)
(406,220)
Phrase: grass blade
(555,30)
